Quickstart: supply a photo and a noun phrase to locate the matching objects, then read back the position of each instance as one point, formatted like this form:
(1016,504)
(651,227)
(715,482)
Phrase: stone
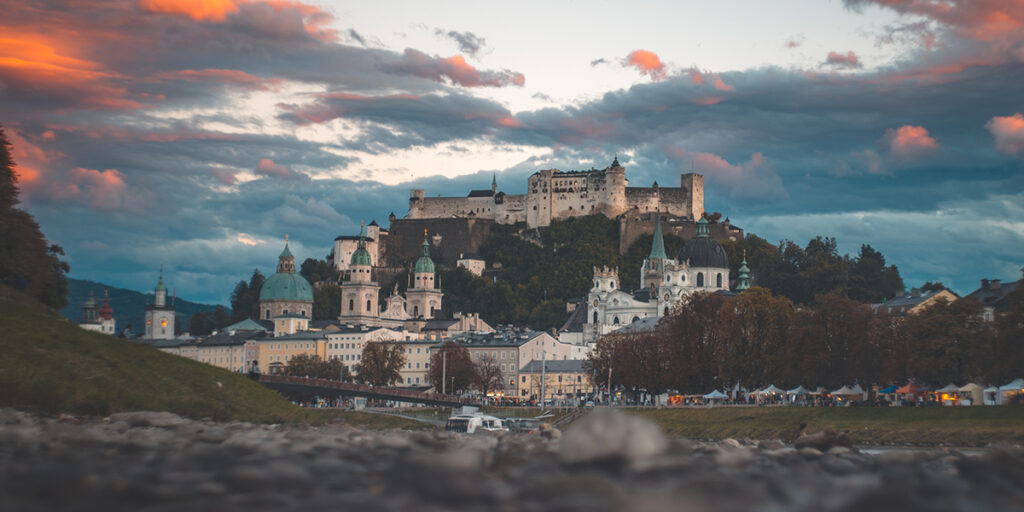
(610,435)
(148,418)
(822,440)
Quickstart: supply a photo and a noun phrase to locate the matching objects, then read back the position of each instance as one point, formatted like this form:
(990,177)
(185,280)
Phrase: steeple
(615,163)
(286,262)
(702,228)
(425,265)
(744,277)
(494,183)
(658,246)
(160,292)
(361,256)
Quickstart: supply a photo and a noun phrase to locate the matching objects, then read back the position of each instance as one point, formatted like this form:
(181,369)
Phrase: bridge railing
(369,389)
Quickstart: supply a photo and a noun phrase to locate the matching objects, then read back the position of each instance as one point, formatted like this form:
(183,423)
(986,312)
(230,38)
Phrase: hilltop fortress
(555,195)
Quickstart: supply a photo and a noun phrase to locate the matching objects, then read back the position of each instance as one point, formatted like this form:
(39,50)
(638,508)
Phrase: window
(615,321)
(719,280)
(635,318)
(351,305)
(285,312)
(267,315)
(700,278)
(367,306)
(524,379)
(595,317)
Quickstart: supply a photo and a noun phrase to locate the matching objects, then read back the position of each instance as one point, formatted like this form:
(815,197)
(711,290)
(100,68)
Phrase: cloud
(197,10)
(794,42)
(647,62)
(1008,132)
(849,60)
(910,141)
(597,62)
(455,70)
(753,178)
(985,20)
(267,167)
(468,42)
(699,77)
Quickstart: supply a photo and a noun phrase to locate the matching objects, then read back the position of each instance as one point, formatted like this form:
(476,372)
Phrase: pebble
(607,461)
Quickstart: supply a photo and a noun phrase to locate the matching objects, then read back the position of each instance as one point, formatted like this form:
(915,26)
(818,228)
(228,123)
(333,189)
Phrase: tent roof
(715,394)
(847,390)
(799,390)
(1016,384)
(991,389)
(911,388)
(971,386)
(771,389)
(886,391)
(950,388)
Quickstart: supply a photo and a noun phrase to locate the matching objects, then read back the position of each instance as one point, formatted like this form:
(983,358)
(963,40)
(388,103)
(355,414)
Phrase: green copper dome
(286,253)
(90,303)
(286,286)
(425,265)
(361,256)
(160,285)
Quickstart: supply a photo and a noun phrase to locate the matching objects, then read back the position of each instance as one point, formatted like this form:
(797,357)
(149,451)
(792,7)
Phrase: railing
(368,389)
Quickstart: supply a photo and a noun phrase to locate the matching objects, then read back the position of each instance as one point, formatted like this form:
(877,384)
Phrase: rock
(729,443)
(771,444)
(610,435)
(148,418)
(810,453)
(549,432)
(823,440)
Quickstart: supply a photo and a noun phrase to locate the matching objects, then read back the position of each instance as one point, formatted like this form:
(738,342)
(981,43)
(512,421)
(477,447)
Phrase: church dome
(286,286)
(361,256)
(703,251)
(425,265)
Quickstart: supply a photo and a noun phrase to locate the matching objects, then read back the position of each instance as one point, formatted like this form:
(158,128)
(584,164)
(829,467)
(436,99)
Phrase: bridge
(306,386)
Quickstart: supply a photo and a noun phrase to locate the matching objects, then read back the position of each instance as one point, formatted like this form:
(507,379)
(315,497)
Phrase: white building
(701,265)
(99,319)
(160,314)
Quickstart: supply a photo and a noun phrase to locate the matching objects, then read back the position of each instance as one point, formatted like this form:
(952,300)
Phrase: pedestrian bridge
(306,386)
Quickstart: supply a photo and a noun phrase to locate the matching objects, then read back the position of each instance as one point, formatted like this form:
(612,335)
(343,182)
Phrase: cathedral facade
(553,195)
(700,266)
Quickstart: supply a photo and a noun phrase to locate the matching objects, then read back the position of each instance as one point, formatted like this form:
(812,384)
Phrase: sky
(195,134)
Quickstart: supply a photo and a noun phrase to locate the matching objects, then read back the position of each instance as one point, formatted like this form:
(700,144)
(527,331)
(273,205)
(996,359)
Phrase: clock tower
(160,315)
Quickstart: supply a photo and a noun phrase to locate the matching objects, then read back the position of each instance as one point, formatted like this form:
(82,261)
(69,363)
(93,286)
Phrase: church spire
(286,261)
(744,278)
(494,183)
(658,246)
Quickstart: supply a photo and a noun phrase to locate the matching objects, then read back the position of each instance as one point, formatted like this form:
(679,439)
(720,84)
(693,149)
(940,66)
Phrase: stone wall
(448,239)
(635,224)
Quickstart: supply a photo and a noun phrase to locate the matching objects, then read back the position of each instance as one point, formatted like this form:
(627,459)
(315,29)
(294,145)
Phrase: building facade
(553,194)
(701,265)
(98,319)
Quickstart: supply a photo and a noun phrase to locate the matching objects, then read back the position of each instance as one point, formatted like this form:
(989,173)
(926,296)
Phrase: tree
(380,364)
(451,361)
(489,376)
(311,365)
(326,302)
(245,299)
(28,262)
(947,342)
(753,330)
(690,335)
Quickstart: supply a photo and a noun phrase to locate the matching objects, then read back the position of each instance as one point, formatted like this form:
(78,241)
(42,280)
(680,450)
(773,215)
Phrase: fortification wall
(448,238)
(635,224)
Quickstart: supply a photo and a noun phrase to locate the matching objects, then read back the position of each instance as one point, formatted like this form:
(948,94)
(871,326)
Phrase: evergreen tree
(27,261)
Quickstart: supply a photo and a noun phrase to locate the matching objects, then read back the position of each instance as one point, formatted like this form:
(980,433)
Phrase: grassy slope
(960,426)
(49,365)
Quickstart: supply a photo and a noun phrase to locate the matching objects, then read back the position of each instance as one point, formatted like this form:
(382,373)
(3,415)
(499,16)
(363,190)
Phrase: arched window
(635,318)
(267,316)
(700,278)
(615,321)
(351,305)
(666,310)
(367,306)
(719,281)
(595,317)
(303,312)
(415,311)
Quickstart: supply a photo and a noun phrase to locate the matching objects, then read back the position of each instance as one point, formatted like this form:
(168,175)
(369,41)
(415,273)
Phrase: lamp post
(444,369)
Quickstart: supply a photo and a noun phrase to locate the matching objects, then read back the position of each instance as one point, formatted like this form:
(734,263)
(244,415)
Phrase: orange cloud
(197,10)
(699,77)
(755,177)
(1008,132)
(456,70)
(910,140)
(267,167)
(647,62)
(848,60)
(222,76)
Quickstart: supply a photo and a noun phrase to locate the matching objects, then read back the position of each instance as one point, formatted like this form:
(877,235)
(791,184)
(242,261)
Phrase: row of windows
(504,355)
(266,314)
(579,378)
(289,346)
(340,346)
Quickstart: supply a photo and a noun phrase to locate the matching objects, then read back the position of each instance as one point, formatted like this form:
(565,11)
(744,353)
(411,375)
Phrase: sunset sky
(196,133)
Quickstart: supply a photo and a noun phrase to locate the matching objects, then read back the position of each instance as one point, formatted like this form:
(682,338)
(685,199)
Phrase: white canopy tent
(972,394)
(991,395)
(848,391)
(771,390)
(716,395)
(950,388)
(1007,391)
(799,390)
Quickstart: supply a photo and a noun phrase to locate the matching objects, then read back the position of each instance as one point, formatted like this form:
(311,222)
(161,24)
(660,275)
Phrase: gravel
(155,461)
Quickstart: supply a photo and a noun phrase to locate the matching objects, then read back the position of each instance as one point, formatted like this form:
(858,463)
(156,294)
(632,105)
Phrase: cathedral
(360,293)
(701,265)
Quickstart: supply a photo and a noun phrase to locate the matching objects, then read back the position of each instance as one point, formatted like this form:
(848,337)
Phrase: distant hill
(129,305)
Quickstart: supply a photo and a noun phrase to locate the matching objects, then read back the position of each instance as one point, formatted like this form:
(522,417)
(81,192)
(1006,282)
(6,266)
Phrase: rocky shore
(608,461)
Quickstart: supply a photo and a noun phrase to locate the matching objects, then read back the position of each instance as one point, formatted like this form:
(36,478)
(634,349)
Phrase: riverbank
(608,461)
(902,426)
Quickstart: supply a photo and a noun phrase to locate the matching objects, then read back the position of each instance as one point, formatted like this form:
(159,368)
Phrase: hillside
(129,305)
(51,366)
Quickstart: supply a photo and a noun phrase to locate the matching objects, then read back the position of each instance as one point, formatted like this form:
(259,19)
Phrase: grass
(957,426)
(50,366)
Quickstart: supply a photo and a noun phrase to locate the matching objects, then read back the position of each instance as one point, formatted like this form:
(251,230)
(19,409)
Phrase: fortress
(553,195)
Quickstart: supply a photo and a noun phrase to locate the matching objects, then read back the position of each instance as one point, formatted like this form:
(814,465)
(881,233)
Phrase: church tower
(360,294)
(653,268)
(423,299)
(160,315)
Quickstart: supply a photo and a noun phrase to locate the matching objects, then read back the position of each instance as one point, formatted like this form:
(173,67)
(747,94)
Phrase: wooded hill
(129,305)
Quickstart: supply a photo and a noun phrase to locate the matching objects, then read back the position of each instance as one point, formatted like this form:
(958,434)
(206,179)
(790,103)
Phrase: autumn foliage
(756,339)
